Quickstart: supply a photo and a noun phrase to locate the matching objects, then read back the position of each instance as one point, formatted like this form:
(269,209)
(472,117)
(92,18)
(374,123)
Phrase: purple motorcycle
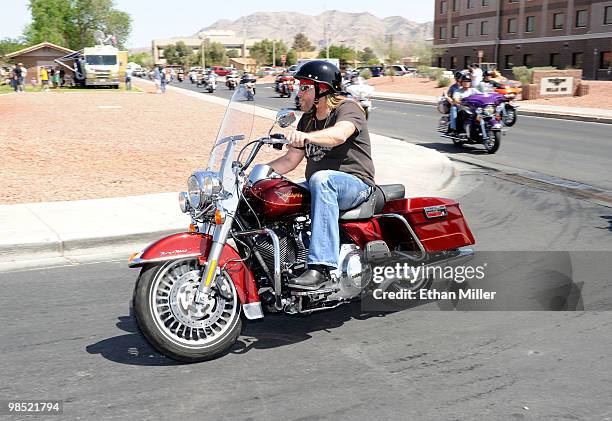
(481,121)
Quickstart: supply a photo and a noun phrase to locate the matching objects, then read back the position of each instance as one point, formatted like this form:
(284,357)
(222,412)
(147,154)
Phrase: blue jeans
(330,192)
(453,116)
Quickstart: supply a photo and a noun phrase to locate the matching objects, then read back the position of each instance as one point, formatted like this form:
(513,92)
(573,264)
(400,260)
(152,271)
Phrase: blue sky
(163,18)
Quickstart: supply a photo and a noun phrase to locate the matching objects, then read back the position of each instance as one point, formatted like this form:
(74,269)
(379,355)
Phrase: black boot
(311,279)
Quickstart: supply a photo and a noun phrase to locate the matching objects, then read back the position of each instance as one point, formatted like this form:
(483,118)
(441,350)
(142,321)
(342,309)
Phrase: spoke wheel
(174,324)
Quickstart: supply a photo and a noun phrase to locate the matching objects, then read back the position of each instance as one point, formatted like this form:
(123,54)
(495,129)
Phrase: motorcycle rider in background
(456,115)
(333,136)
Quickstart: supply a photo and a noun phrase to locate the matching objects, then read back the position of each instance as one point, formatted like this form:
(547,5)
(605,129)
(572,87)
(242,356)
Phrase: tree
(262,52)
(301,43)
(9,45)
(72,23)
(345,54)
(366,55)
(144,59)
(233,53)
(214,54)
(51,21)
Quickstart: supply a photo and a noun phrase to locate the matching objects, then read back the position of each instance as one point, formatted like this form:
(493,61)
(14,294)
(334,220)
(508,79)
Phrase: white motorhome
(100,65)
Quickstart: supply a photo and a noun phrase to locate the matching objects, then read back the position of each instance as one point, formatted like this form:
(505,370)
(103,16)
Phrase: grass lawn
(6,89)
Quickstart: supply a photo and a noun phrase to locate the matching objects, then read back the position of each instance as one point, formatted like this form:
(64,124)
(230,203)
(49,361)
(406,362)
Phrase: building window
(442,7)
(509,1)
(455,5)
(577,60)
(527,60)
(485,2)
(466,62)
(484,28)
(581,18)
(455,33)
(442,32)
(558,20)
(453,62)
(530,24)
(554,59)
(439,62)
(509,62)
(469,29)
(608,15)
(470,4)
(512,25)
(604,60)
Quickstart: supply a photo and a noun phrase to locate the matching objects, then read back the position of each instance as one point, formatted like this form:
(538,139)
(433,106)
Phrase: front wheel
(173,325)
(510,116)
(493,142)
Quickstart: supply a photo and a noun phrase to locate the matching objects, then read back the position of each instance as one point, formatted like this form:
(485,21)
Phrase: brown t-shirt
(353,157)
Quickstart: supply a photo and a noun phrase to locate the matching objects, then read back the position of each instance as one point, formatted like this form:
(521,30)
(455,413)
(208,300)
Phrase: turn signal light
(219,217)
(192,228)
(133,256)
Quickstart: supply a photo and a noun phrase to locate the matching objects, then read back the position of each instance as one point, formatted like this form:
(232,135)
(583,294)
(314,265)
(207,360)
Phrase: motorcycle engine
(351,276)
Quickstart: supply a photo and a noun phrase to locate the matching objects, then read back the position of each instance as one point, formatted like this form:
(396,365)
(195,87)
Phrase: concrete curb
(522,111)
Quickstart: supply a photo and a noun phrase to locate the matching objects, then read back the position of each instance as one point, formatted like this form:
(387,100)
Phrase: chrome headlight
(202,186)
(184,202)
(489,109)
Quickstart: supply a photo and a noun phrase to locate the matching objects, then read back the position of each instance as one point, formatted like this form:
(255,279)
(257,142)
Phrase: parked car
(401,70)
(376,70)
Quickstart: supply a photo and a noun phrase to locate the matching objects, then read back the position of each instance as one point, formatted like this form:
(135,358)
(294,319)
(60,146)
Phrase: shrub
(366,73)
(435,73)
(423,71)
(390,71)
(522,74)
(443,82)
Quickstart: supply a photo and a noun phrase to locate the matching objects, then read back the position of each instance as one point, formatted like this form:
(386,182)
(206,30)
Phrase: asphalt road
(570,150)
(67,334)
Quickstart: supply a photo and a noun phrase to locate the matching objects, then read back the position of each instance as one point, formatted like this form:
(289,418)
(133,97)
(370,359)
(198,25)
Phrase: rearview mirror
(285,118)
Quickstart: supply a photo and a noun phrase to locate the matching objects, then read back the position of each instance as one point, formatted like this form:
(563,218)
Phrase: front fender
(197,245)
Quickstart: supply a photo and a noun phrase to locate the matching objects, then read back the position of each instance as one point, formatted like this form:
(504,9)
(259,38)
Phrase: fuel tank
(275,199)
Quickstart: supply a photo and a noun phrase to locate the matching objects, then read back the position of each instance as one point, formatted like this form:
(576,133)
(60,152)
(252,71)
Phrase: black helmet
(322,72)
(466,78)
(458,75)
(487,73)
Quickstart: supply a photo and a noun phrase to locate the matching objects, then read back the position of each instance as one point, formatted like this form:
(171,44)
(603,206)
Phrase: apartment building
(563,34)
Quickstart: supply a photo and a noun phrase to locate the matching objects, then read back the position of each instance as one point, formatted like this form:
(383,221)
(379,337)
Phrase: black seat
(375,203)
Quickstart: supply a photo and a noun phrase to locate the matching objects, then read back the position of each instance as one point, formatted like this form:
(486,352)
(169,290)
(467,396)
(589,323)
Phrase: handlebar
(277,140)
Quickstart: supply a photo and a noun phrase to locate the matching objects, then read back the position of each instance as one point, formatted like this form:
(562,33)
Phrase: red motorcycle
(284,85)
(249,236)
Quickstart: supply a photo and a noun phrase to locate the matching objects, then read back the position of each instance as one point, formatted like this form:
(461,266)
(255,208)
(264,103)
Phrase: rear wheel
(173,325)
(493,142)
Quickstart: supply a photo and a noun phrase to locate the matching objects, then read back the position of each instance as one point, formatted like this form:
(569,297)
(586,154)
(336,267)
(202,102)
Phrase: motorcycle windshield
(237,125)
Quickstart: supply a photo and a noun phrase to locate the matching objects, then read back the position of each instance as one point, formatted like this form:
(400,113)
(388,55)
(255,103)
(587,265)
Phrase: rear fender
(188,244)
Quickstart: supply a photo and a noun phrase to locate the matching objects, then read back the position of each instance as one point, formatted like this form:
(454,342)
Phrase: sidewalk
(536,110)
(74,228)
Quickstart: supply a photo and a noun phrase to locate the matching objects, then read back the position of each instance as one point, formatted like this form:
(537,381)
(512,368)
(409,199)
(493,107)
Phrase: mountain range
(351,29)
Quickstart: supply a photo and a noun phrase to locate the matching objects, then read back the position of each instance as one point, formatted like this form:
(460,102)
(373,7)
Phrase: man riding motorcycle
(463,92)
(333,136)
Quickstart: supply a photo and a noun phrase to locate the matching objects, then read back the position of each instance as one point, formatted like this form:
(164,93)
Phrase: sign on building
(558,85)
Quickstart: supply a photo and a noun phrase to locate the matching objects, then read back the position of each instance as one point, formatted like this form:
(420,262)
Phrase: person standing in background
(128,78)
(44,78)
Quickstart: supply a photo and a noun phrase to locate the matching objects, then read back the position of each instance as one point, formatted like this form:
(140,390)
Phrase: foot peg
(377,252)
